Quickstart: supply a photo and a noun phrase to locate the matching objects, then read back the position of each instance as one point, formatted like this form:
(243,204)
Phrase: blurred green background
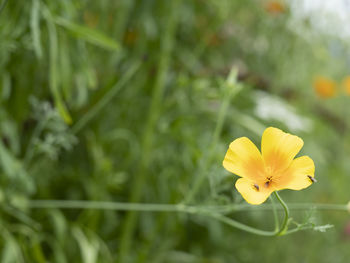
(129,101)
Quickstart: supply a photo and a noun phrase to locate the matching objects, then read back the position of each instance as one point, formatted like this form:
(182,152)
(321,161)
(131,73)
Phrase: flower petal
(279,148)
(297,175)
(244,159)
(250,193)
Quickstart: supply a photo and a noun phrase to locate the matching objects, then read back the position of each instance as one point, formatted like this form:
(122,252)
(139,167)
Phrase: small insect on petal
(256,187)
(313,180)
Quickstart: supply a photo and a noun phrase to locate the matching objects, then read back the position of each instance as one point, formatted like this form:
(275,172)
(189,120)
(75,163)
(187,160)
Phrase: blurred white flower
(271,108)
(325,17)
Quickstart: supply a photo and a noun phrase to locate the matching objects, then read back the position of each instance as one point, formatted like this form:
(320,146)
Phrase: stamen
(256,187)
(269,179)
(312,179)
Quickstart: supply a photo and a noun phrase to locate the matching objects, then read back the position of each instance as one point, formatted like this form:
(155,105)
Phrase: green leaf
(11,252)
(93,36)
(35,28)
(54,74)
(10,165)
(89,247)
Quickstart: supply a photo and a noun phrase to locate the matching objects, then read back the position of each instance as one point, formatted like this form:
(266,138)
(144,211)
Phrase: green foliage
(133,101)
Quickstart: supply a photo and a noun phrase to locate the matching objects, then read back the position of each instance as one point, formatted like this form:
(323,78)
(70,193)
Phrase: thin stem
(215,212)
(292,206)
(274,209)
(231,89)
(297,229)
(284,225)
(241,226)
(306,206)
(102,205)
(21,216)
(106,98)
(167,43)
(36,134)
(151,207)
(206,211)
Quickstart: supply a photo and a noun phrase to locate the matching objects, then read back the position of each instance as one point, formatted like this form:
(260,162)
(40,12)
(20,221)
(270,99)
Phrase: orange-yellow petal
(252,193)
(297,175)
(279,148)
(244,159)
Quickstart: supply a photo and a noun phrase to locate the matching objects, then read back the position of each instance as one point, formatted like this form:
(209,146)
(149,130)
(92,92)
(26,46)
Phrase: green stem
(215,212)
(277,225)
(206,211)
(297,229)
(292,206)
(167,43)
(151,207)
(36,134)
(106,98)
(241,226)
(284,225)
(102,205)
(231,89)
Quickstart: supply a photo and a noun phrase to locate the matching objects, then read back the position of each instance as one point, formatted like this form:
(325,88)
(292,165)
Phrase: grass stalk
(231,89)
(147,140)
(106,98)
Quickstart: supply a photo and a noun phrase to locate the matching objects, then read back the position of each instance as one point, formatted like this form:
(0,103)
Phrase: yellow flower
(324,87)
(346,85)
(271,170)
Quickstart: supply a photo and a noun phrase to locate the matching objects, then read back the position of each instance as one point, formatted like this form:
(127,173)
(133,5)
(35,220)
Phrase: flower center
(268,179)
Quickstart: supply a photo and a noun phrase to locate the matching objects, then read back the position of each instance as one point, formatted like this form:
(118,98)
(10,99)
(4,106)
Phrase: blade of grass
(121,21)
(2,6)
(106,98)
(90,35)
(35,28)
(54,79)
(167,43)
(231,89)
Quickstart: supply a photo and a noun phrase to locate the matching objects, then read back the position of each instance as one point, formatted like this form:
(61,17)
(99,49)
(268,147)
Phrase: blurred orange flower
(346,85)
(272,169)
(324,87)
(275,7)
